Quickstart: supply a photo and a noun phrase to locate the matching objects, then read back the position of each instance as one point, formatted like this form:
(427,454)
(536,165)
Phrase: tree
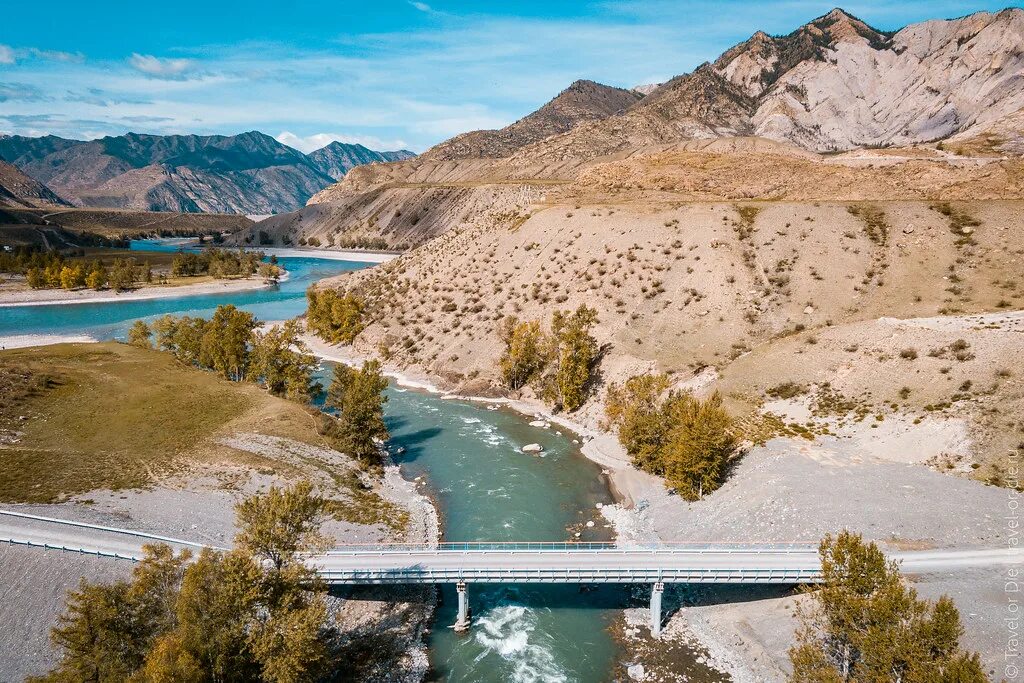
(139,335)
(685,439)
(636,409)
(282,362)
(225,342)
(698,444)
(572,356)
(270,271)
(72,277)
(108,629)
(123,276)
(256,613)
(864,625)
(277,525)
(97,644)
(524,358)
(358,396)
(97,277)
(36,278)
(337,318)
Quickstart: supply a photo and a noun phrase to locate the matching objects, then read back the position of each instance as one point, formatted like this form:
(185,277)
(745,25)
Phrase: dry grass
(80,417)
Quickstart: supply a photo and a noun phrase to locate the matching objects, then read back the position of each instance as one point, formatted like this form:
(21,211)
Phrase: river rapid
(468,458)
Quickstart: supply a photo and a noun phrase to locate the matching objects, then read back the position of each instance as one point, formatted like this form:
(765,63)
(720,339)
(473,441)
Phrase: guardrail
(570,546)
(64,548)
(108,529)
(582,575)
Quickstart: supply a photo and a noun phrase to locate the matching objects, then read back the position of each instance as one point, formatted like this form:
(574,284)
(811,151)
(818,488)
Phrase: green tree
(225,342)
(358,396)
(698,444)
(571,358)
(636,409)
(107,630)
(36,278)
(97,277)
(97,641)
(123,275)
(165,327)
(139,335)
(687,440)
(335,317)
(256,613)
(282,362)
(277,525)
(864,625)
(524,356)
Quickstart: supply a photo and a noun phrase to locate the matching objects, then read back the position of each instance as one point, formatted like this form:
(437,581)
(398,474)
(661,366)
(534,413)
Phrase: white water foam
(508,631)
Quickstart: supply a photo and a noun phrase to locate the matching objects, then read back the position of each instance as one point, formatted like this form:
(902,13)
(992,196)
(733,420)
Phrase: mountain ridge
(247,173)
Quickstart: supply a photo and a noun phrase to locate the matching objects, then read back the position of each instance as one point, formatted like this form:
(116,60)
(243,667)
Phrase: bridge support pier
(656,592)
(462,622)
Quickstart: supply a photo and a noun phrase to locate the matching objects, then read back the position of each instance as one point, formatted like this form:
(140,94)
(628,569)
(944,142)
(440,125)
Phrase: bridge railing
(561,547)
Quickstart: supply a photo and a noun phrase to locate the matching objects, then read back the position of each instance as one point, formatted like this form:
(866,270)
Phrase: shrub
(787,390)
(685,439)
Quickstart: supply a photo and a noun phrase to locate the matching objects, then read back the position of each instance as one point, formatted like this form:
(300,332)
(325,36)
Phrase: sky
(389,74)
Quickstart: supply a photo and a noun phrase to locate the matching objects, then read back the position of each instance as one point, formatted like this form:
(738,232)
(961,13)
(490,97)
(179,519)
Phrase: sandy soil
(332,254)
(46,297)
(21,341)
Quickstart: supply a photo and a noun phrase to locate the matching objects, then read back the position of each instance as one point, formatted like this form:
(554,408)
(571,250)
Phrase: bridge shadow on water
(574,596)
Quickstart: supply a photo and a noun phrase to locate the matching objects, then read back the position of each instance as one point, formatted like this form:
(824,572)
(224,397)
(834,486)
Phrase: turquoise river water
(485,488)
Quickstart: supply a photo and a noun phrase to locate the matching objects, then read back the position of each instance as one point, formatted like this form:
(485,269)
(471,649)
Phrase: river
(485,488)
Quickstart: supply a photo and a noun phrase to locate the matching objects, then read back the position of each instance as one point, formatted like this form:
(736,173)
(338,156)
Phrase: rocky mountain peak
(583,100)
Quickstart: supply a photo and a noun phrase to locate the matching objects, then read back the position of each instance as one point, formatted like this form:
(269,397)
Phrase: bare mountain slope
(17,189)
(338,158)
(249,173)
(582,101)
(833,84)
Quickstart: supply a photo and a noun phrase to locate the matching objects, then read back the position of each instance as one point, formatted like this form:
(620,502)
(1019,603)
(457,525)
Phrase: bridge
(477,562)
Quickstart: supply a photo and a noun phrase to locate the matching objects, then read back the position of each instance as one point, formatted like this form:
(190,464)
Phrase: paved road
(720,564)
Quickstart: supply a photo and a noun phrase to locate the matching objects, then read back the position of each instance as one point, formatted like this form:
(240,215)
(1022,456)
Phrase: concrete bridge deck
(463,563)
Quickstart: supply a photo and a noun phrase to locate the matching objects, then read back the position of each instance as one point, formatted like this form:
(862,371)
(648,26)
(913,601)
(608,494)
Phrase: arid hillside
(698,287)
(18,190)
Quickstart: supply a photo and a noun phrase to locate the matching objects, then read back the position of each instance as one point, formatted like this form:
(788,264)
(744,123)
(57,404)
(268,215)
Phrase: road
(725,563)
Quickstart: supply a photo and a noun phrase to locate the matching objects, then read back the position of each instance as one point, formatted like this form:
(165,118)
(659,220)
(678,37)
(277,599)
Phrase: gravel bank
(51,297)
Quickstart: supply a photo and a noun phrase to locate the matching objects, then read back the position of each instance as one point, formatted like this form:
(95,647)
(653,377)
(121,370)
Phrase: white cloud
(311,143)
(156,67)
(421,6)
(10,55)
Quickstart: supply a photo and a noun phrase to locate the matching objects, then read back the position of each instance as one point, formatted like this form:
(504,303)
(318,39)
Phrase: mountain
(581,101)
(338,158)
(833,84)
(19,190)
(249,173)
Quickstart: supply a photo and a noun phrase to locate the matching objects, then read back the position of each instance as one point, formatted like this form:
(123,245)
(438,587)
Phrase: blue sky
(387,73)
